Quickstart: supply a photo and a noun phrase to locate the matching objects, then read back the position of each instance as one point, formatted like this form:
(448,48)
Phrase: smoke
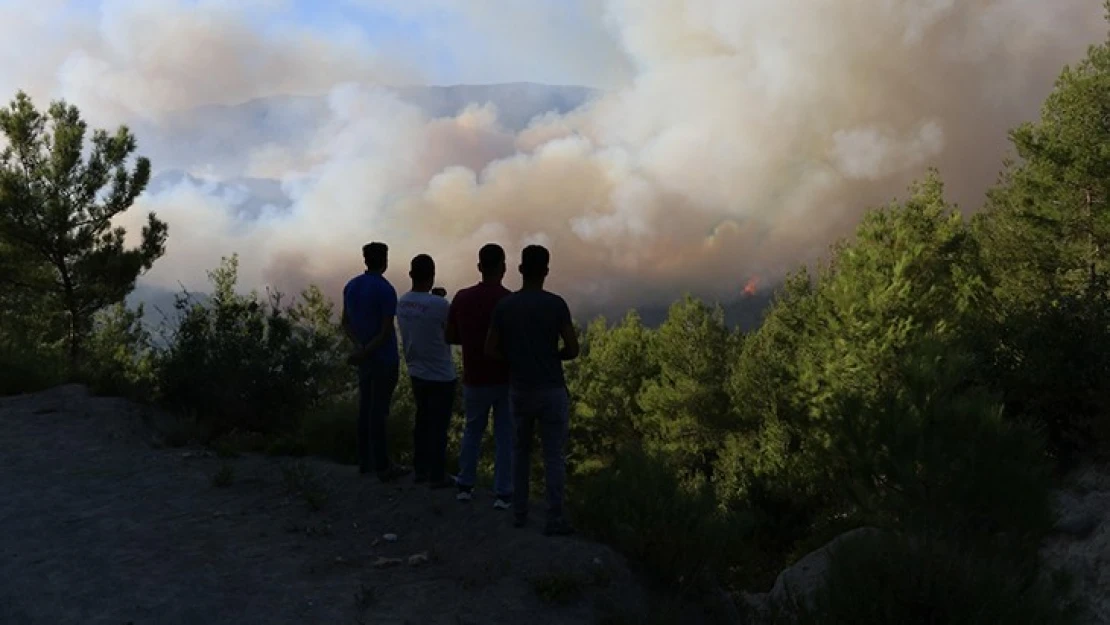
(733,140)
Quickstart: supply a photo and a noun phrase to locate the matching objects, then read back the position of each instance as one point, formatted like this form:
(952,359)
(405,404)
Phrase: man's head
(533,262)
(491,261)
(423,272)
(376,256)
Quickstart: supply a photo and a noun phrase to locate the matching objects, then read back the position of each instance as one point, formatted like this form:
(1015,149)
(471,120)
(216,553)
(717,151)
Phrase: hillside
(102,524)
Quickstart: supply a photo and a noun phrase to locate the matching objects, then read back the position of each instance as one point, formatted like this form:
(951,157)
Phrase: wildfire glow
(751,286)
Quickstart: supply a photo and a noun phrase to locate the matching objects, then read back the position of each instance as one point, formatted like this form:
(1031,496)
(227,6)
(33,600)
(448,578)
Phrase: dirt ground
(100,525)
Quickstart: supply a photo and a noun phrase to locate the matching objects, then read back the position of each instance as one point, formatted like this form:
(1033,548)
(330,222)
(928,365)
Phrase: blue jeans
(479,401)
(549,409)
(376,383)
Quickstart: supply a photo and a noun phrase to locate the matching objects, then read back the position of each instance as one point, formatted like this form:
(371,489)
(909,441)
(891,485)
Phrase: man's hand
(356,357)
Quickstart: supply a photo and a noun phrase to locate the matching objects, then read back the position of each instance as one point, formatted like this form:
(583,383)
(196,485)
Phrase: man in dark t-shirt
(525,332)
(485,380)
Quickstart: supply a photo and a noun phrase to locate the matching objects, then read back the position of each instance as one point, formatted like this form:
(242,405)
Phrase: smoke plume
(731,140)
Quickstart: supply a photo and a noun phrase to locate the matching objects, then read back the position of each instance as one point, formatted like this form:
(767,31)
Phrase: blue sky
(448,41)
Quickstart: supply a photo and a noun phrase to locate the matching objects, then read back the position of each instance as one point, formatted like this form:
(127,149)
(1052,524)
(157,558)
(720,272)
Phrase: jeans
(479,401)
(434,401)
(376,383)
(550,409)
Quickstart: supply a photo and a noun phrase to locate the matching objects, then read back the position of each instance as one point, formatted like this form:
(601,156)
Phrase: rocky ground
(98,524)
(1081,543)
(101,523)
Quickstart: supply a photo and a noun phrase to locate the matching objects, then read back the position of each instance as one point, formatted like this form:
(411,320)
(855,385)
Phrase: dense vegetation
(929,378)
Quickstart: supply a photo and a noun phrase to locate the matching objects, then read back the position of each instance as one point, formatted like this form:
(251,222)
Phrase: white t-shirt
(422,317)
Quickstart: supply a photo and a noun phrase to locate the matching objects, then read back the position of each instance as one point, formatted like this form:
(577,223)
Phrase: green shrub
(251,365)
(675,532)
(887,578)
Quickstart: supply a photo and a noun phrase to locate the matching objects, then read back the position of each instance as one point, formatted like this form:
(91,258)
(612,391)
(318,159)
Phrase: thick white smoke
(736,138)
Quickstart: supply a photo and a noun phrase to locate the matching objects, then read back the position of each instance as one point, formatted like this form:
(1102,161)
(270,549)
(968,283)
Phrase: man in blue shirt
(525,331)
(369,307)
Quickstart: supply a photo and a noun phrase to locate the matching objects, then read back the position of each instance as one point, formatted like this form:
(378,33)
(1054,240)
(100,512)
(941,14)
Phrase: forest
(934,376)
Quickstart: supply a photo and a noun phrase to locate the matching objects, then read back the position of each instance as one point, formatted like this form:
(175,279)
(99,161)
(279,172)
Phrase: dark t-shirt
(369,298)
(528,323)
(470,315)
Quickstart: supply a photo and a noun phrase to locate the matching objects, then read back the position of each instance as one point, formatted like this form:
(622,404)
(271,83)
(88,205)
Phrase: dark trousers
(434,401)
(546,410)
(376,383)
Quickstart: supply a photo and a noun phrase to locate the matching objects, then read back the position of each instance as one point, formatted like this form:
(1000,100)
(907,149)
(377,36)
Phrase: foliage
(120,354)
(605,384)
(880,579)
(247,364)
(57,207)
(685,405)
(675,531)
(1045,233)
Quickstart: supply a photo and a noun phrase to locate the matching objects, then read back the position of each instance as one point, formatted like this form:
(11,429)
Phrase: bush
(888,578)
(676,532)
(119,357)
(251,365)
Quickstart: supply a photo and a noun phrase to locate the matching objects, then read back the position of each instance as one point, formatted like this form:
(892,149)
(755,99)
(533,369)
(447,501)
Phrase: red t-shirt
(471,310)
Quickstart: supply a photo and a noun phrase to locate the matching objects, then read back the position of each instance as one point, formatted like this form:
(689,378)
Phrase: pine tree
(58,198)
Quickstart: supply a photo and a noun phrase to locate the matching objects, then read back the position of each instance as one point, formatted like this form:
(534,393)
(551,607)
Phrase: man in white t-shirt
(422,317)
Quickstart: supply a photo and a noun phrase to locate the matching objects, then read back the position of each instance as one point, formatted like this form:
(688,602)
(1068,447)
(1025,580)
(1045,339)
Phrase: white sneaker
(502,504)
(464,495)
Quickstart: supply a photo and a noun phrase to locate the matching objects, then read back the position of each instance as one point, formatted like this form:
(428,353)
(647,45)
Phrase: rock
(418,558)
(801,581)
(1079,524)
(390,538)
(382,562)
(1080,545)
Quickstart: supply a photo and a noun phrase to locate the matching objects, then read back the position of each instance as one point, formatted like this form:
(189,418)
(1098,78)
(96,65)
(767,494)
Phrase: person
(485,380)
(440,291)
(422,317)
(525,330)
(369,307)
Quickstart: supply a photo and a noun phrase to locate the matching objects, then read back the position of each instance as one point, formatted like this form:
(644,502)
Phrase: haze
(661,146)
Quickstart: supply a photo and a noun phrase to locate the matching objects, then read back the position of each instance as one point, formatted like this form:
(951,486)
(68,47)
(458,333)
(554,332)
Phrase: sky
(730,139)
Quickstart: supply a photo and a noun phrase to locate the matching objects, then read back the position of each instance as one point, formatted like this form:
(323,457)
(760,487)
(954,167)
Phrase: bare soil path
(99,525)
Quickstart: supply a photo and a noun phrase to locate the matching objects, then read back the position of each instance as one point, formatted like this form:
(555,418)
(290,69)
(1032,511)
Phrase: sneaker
(502,503)
(464,494)
(558,527)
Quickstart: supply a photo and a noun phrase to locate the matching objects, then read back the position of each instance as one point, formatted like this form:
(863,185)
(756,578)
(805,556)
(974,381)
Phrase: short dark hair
(422,267)
(491,256)
(533,261)
(375,254)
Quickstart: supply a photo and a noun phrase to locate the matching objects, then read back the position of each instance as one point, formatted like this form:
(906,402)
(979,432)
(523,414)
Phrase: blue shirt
(369,299)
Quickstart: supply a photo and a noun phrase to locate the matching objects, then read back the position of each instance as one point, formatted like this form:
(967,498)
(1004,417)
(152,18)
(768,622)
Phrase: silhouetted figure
(369,306)
(525,331)
(485,379)
(423,319)
(440,291)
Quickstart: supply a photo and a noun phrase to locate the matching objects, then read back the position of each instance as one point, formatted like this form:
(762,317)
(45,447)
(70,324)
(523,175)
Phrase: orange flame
(751,286)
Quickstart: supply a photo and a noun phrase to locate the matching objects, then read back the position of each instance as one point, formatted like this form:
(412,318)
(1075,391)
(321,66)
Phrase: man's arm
(379,338)
(493,344)
(567,332)
(494,349)
(570,342)
(346,322)
(451,329)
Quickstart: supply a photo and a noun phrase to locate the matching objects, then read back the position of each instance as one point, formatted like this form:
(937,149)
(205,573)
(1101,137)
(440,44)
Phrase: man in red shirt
(485,380)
